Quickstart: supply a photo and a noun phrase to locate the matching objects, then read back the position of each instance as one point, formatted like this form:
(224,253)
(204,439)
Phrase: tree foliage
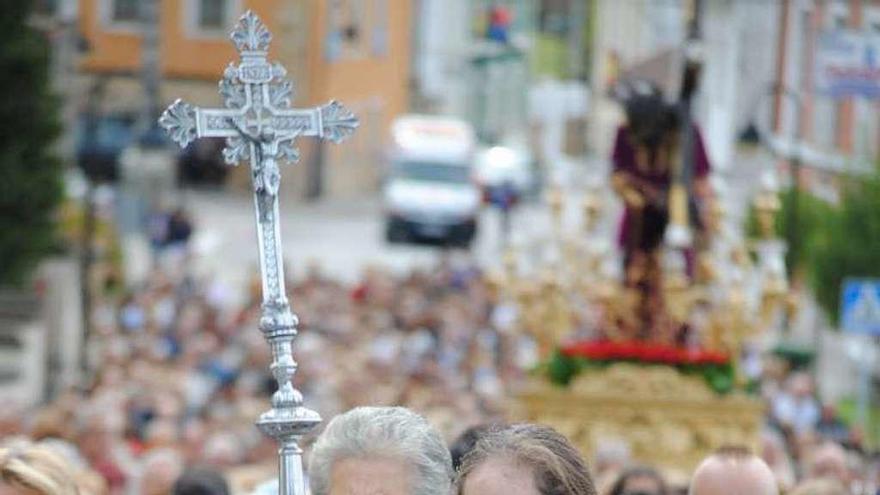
(30,174)
(847,242)
(832,242)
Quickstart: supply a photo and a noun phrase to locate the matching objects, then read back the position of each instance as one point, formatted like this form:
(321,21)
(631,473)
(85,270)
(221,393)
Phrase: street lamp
(753,134)
(94,172)
(793,153)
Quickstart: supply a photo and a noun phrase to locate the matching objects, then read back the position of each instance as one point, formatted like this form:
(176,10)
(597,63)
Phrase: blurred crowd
(181,372)
(804,438)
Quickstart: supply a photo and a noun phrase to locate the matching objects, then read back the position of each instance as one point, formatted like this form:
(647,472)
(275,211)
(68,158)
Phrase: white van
(430,193)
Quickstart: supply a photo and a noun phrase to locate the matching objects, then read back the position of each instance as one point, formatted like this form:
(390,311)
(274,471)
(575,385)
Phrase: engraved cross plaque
(260,127)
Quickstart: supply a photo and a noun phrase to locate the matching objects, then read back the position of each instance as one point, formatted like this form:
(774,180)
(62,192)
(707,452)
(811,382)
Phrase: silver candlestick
(260,127)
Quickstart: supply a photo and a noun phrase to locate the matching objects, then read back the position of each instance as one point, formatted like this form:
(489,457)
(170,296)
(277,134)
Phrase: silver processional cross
(260,127)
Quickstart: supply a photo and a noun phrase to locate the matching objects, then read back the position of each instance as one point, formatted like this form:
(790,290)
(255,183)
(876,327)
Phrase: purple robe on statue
(654,174)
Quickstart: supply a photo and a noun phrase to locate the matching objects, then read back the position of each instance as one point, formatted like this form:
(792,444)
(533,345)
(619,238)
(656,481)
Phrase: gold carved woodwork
(669,420)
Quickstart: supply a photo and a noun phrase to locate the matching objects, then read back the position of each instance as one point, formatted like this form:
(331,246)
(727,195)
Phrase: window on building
(354,26)
(209,18)
(871,19)
(125,11)
(212,14)
(838,15)
(380,28)
(349,33)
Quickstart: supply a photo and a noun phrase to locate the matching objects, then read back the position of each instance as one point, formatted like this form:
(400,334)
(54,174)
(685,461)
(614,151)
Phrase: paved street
(342,236)
(345,235)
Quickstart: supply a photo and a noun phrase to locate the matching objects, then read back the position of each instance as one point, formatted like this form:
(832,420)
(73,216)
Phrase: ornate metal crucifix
(260,127)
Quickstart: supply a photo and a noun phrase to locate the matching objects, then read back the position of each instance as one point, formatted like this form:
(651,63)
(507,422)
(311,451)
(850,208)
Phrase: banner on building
(848,64)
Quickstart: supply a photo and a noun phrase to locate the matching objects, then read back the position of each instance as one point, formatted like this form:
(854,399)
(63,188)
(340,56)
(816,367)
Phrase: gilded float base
(669,420)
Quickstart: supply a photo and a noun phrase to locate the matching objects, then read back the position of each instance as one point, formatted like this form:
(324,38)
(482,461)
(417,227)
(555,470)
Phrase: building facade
(459,71)
(848,128)
(748,47)
(355,51)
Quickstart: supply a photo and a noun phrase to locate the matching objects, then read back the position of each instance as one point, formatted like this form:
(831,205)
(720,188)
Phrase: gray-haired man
(380,450)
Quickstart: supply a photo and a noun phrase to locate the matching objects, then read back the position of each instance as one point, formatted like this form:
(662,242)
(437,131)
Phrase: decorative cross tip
(337,122)
(250,34)
(179,121)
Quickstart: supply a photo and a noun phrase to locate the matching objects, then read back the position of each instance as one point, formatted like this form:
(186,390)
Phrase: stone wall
(22,349)
(41,335)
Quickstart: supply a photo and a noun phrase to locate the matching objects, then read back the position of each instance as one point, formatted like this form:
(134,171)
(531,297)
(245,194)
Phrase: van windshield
(432,172)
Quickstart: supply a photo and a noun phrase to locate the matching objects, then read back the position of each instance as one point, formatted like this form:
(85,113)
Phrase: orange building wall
(182,57)
(119,51)
(845,138)
(374,86)
(387,75)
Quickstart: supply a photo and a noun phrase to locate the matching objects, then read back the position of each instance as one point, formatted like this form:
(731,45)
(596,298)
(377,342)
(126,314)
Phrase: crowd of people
(180,373)
(392,450)
(805,438)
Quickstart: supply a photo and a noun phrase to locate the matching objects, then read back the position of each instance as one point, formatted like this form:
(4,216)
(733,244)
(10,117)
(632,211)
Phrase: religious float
(646,344)
(659,367)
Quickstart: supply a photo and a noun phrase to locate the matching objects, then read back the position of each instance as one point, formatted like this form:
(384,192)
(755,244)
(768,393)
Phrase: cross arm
(332,121)
(216,122)
(185,122)
(337,122)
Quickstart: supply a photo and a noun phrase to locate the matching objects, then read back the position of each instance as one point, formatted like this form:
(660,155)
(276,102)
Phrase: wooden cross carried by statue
(260,127)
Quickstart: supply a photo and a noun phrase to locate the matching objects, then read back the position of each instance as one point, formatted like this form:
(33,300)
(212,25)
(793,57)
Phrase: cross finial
(251,35)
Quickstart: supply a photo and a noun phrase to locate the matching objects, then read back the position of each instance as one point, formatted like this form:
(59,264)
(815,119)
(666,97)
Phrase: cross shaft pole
(260,127)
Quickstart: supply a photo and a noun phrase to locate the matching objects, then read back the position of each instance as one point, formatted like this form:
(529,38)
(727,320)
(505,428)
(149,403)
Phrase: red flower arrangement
(716,368)
(646,352)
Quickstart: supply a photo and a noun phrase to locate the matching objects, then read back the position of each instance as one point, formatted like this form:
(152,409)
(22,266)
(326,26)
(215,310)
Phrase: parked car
(100,142)
(508,169)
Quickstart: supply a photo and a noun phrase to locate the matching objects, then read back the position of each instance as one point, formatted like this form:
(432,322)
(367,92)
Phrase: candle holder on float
(770,251)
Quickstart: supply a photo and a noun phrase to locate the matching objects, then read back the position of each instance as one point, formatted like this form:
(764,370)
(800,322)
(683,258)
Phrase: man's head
(524,459)
(380,450)
(201,481)
(639,480)
(800,385)
(161,468)
(733,471)
(828,461)
(829,412)
(820,486)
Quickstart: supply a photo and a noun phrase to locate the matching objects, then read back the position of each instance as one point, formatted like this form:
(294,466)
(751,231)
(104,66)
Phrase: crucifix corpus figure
(260,127)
